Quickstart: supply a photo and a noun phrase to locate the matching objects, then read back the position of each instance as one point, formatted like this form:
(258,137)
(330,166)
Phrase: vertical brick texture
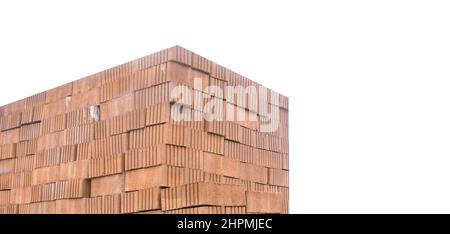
(108,144)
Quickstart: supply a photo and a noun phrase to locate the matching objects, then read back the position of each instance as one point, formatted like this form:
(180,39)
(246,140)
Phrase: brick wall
(107,144)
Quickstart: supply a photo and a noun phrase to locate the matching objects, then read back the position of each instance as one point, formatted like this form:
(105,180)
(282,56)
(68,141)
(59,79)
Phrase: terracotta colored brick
(27,116)
(150,212)
(5,197)
(47,158)
(16,180)
(178,176)
(157,75)
(163,155)
(160,176)
(55,108)
(253,173)
(180,55)
(285,159)
(141,200)
(115,88)
(7,151)
(107,204)
(102,129)
(109,146)
(45,175)
(21,148)
(129,121)
(260,202)
(80,134)
(197,139)
(59,92)
(110,165)
(93,205)
(179,73)
(84,151)
(149,199)
(238,151)
(198,194)
(189,122)
(24,163)
(284,191)
(245,97)
(144,157)
(53,124)
(217,83)
(158,114)
(257,187)
(199,76)
(272,143)
(182,157)
(68,153)
(219,72)
(105,185)
(21,195)
(43,192)
(73,170)
(76,188)
(117,106)
(267,158)
(212,177)
(154,95)
(278,177)
(129,202)
(150,60)
(145,178)
(32,146)
(85,99)
(219,164)
(7,166)
(201,63)
(38,113)
(52,140)
(70,206)
(144,78)
(9,209)
(248,137)
(176,135)
(216,127)
(10,136)
(10,121)
(284,145)
(232,180)
(214,143)
(86,83)
(116,73)
(233,132)
(37,208)
(160,134)
(79,117)
(185,75)
(209,210)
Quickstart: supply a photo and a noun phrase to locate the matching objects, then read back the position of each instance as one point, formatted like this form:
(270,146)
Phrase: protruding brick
(106,185)
(198,194)
(260,202)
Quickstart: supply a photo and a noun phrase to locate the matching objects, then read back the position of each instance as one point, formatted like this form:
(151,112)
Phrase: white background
(368,81)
